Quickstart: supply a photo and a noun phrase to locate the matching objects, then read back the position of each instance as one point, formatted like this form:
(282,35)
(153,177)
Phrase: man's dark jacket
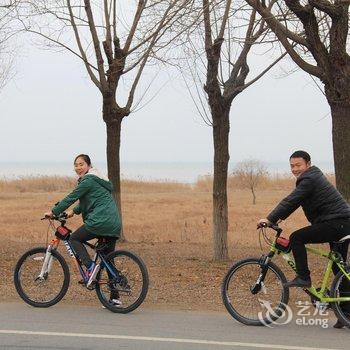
(319,199)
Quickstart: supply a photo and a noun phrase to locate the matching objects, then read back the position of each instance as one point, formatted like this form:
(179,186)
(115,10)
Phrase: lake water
(187,172)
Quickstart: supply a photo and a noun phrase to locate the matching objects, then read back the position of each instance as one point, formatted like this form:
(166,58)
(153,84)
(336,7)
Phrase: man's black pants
(325,232)
(82,235)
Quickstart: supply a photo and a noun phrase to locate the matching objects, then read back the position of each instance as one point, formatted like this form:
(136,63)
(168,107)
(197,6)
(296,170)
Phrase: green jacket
(96,204)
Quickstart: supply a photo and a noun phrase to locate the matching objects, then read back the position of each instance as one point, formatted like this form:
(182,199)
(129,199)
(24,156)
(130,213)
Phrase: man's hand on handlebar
(266,223)
(263,223)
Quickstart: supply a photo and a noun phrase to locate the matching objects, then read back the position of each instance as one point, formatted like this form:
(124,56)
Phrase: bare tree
(250,173)
(7,10)
(315,35)
(115,41)
(5,69)
(227,34)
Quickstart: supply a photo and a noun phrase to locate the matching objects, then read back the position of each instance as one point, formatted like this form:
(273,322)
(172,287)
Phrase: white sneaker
(115,302)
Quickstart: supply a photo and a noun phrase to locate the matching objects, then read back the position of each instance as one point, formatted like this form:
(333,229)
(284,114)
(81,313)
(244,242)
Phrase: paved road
(78,327)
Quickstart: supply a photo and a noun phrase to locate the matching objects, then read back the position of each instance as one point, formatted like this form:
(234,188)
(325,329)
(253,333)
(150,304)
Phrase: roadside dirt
(182,276)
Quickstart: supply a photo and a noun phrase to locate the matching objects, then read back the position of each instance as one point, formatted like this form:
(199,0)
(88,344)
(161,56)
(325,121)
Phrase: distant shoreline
(183,172)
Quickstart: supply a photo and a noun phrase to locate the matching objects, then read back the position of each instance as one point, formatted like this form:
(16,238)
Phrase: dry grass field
(168,224)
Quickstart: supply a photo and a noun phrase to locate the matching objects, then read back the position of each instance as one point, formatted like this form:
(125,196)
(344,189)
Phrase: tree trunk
(113,159)
(253,193)
(341,146)
(113,127)
(221,129)
(337,89)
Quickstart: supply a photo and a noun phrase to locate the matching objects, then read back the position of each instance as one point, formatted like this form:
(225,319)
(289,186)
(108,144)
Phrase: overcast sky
(51,111)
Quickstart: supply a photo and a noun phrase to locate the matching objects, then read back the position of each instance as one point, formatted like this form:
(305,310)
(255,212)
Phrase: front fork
(47,264)
(264,265)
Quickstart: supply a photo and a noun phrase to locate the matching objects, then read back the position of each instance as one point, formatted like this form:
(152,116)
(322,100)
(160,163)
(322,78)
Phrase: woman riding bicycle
(98,209)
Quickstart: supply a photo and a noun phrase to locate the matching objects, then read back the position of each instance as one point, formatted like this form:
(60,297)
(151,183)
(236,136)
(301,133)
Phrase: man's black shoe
(298,282)
(338,325)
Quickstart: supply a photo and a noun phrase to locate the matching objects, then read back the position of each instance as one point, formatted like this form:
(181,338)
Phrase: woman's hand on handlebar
(64,215)
(70,213)
(48,215)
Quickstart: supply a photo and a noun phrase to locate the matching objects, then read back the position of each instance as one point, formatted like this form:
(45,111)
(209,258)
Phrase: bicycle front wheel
(41,286)
(252,302)
(128,290)
(341,288)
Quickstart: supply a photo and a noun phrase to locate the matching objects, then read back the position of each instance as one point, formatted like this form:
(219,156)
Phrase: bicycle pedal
(91,286)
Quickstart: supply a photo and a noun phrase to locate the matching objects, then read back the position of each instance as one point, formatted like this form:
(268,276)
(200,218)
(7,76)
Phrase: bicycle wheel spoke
(341,288)
(249,302)
(37,286)
(127,291)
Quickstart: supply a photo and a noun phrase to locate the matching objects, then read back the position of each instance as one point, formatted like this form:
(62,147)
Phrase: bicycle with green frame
(253,283)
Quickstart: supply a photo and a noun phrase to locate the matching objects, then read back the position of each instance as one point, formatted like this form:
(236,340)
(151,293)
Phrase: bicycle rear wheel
(45,290)
(248,301)
(129,288)
(341,288)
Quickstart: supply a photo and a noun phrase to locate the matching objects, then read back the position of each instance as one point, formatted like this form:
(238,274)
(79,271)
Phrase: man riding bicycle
(325,209)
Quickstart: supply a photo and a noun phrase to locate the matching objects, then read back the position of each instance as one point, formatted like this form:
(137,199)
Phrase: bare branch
(107,44)
(27,29)
(324,5)
(140,7)
(274,23)
(308,18)
(225,19)
(82,52)
(265,71)
(207,25)
(100,62)
(283,36)
(146,56)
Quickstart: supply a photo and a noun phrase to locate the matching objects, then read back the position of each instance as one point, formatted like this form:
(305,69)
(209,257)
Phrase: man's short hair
(301,154)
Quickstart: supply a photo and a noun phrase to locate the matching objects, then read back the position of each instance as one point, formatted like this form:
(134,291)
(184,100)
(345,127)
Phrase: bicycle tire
(234,307)
(131,277)
(342,315)
(41,288)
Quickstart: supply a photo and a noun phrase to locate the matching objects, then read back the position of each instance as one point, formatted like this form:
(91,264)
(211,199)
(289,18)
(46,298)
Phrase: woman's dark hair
(301,154)
(85,157)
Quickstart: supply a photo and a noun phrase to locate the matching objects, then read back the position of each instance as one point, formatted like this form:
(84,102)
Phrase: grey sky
(51,112)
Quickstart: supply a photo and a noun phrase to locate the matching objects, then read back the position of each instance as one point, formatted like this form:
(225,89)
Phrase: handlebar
(61,218)
(275,227)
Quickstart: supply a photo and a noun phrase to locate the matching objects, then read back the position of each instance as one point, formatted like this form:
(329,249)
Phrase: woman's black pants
(82,235)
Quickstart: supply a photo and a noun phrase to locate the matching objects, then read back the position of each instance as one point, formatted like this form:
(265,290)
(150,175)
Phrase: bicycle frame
(333,258)
(46,268)
(42,274)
